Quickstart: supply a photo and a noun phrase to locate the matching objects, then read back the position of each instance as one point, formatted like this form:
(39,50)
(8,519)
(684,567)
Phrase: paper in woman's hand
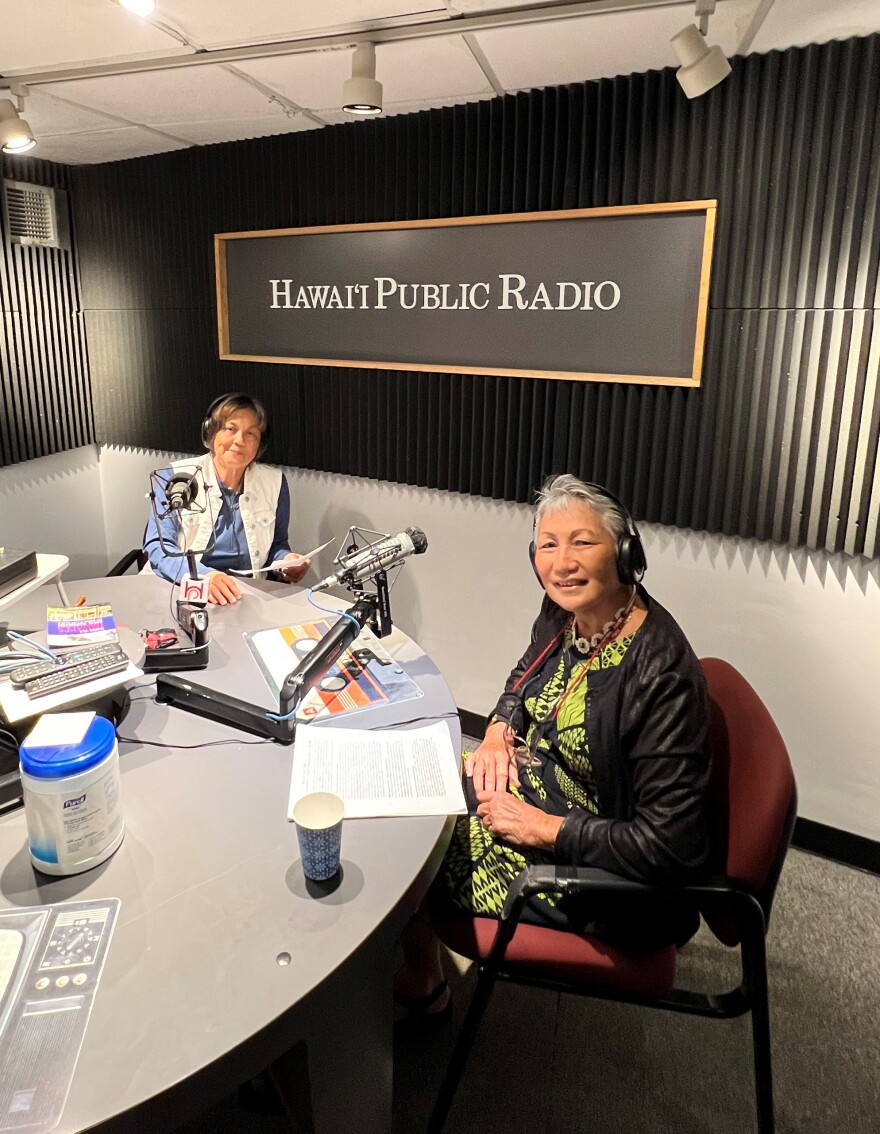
(280,564)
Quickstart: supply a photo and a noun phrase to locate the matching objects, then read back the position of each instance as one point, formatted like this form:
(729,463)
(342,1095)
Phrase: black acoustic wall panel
(45,396)
(780,442)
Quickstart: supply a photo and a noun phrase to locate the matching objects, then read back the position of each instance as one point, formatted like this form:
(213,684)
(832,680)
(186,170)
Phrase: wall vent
(32,215)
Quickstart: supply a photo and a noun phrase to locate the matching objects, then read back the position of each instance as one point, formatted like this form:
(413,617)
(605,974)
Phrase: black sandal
(419,1018)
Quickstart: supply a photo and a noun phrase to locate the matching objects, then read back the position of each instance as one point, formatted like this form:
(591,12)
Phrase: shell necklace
(608,632)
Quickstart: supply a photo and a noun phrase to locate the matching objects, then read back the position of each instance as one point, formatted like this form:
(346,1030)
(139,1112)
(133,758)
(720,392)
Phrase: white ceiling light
(702,67)
(362,93)
(139,7)
(16,136)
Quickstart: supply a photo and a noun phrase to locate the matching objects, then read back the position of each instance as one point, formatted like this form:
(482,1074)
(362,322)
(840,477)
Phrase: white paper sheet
(276,565)
(379,772)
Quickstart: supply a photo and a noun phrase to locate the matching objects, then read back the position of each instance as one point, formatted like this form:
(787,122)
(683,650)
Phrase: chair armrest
(560,880)
(574,880)
(715,891)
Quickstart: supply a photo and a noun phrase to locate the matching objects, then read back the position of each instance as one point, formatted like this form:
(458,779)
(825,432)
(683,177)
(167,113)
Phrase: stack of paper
(380,771)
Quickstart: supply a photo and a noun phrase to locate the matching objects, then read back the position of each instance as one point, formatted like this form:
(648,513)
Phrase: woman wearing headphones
(243,523)
(595,754)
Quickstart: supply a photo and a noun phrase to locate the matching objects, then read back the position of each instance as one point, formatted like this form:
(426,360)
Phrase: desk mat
(365,675)
(51,960)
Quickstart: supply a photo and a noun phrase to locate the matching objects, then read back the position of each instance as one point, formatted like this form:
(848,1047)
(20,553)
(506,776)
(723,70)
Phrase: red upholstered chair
(754,791)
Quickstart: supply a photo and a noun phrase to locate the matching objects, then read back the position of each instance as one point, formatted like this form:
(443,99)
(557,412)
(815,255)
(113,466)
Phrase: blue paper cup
(318,819)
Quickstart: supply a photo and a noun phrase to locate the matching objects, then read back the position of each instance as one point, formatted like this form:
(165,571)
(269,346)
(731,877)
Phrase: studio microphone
(388,552)
(181,491)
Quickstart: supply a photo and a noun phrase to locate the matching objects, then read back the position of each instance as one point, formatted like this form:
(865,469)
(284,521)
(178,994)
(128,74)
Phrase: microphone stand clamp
(191,612)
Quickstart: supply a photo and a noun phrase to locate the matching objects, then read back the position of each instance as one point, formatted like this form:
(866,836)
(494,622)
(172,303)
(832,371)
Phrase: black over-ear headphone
(248,402)
(631,559)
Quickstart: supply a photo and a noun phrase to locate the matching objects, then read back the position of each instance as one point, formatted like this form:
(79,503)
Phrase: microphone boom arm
(206,702)
(330,648)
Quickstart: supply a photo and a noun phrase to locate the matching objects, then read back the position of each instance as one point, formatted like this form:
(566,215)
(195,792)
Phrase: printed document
(377,772)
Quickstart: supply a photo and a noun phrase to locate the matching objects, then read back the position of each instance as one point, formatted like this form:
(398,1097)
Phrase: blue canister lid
(58,760)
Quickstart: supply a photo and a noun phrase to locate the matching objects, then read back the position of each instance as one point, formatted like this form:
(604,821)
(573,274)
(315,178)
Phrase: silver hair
(560,492)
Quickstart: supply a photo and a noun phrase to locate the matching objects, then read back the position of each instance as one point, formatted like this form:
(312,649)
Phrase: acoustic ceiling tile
(425,69)
(50,115)
(816,21)
(334,116)
(188,94)
(223,130)
(482,7)
(40,34)
(104,145)
(600,46)
(221,23)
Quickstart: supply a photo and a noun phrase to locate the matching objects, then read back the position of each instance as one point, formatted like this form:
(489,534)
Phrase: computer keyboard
(32,670)
(66,677)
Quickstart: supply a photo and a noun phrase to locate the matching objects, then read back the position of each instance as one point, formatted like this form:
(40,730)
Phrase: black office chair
(137,555)
(754,791)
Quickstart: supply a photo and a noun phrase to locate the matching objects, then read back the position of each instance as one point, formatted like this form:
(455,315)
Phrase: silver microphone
(388,552)
(181,490)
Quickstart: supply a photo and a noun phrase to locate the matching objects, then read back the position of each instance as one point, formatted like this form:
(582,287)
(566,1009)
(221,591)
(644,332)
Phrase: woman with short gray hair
(595,754)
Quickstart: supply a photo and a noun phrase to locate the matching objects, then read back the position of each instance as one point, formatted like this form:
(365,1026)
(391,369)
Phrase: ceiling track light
(702,67)
(16,136)
(138,7)
(362,93)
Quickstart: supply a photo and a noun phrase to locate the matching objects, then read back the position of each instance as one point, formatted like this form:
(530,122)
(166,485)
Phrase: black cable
(213,743)
(171,613)
(11,735)
(414,720)
(204,744)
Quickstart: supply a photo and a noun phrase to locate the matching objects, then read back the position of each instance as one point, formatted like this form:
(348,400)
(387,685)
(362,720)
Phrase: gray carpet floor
(549,1064)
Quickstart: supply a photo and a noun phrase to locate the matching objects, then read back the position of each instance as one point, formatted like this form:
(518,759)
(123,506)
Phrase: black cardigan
(646,723)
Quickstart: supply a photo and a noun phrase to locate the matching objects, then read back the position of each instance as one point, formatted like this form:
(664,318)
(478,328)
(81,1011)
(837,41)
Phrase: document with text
(379,772)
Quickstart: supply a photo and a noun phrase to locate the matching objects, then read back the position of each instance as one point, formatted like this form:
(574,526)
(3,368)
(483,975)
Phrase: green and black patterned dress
(478,869)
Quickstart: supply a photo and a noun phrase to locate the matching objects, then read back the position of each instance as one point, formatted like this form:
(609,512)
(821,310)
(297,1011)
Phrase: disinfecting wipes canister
(72,799)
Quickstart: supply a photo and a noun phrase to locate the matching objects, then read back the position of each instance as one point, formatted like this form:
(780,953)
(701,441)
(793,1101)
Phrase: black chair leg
(761,1036)
(460,1053)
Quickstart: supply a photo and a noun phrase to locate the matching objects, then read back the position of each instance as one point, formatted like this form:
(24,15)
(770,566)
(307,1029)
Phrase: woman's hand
(222,589)
(506,817)
(491,765)
(293,567)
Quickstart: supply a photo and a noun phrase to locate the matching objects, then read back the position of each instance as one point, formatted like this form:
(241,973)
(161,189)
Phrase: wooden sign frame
(693,379)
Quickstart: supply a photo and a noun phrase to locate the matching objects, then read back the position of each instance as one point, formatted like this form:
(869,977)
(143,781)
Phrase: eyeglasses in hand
(519,749)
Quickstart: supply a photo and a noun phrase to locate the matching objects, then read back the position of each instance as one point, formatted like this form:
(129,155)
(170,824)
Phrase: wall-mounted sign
(612,295)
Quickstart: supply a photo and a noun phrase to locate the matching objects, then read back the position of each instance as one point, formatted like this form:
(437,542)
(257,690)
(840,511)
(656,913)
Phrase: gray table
(193,999)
